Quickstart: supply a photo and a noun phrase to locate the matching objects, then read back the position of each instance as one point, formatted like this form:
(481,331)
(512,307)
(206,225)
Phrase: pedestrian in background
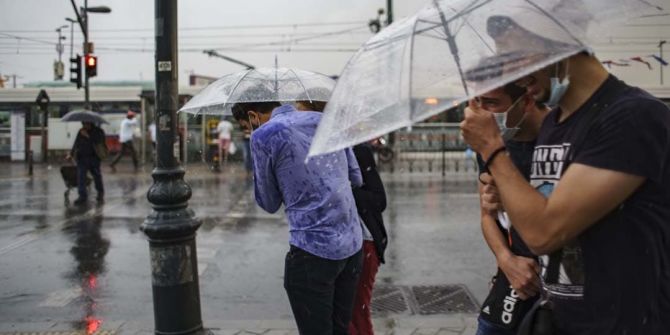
(126,135)
(225,133)
(152,136)
(87,159)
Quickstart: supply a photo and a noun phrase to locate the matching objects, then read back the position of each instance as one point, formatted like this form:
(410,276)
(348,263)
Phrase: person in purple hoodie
(325,259)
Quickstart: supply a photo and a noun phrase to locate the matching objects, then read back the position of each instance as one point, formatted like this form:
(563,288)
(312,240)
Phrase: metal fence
(430,148)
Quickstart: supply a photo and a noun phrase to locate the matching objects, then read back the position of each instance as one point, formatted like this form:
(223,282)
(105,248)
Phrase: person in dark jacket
(370,203)
(84,153)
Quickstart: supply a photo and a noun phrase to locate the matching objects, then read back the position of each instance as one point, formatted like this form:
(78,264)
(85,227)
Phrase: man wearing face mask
(598,206)
(324,261)
(519,118)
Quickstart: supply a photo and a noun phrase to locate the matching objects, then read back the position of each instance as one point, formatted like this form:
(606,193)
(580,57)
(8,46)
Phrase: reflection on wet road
(90,265)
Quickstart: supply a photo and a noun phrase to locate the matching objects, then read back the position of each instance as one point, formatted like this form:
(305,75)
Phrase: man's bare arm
(584,195)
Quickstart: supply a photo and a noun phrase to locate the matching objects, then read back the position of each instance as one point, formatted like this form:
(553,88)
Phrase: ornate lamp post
(171,226)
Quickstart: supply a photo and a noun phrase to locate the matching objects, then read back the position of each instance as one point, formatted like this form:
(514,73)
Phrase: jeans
(486,328)
(84,165)
(321,291)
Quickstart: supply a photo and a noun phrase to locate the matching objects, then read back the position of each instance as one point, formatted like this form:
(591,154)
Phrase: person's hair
(514,91)
(315,106)
(263,105)
(241,109)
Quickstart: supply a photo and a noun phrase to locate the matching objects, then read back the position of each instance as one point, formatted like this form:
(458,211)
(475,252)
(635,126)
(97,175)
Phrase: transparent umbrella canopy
(258,85)
(453,50)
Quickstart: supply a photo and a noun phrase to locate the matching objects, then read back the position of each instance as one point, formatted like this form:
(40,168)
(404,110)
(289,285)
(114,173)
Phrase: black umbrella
(84,116)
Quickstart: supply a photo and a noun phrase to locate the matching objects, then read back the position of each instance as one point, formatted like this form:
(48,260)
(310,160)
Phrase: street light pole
(171,226)
(84,16)
(59,46)
(389,12)
(72,21)
(83,23)
(58,65)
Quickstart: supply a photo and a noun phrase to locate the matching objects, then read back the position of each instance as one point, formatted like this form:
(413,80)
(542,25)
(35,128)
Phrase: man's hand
(480,130)
(522,273)
(490,198)
(83,132)
(68,157)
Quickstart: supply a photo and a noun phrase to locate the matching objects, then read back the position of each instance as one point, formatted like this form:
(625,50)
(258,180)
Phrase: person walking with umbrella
(87,158)
(126,135)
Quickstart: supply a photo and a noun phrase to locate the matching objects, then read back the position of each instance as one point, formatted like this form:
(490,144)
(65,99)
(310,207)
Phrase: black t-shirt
(521,154)
(615,277)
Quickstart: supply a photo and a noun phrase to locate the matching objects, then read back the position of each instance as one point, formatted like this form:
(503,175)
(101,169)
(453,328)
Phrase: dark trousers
(92,165)
(126,146)
(321,291)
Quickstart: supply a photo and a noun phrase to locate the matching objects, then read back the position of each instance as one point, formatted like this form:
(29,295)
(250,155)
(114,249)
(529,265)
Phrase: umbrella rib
(301,84)
(411,61)
(452,46)
(240,80)
(558,23)
(477,33)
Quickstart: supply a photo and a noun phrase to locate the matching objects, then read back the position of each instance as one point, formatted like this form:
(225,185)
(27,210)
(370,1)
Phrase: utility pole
(13,76)
(660,46)
(389,12)
(59,46)
(87,97)
(172,225)
(59,68)
(72,21)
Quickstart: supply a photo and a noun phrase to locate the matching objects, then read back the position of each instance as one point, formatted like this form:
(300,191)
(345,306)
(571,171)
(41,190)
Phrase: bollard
(30,163)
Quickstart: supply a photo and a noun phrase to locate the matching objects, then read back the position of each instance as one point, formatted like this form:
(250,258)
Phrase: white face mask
(251,124)
(558,88)
(501,119)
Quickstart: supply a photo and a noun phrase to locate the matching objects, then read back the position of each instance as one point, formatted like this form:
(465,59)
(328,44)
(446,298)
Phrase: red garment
(361,321)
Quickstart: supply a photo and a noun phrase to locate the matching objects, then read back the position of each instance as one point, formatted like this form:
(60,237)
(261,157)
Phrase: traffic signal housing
(91,64)
(75,71)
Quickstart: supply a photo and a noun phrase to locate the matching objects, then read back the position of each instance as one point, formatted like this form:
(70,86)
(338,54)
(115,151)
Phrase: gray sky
(124,39)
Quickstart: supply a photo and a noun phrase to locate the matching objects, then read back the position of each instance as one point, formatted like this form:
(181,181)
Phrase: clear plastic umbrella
(83,116)
(453,50)
(258,85)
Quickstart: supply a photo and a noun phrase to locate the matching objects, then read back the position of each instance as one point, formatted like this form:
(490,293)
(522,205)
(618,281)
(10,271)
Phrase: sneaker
(79,202)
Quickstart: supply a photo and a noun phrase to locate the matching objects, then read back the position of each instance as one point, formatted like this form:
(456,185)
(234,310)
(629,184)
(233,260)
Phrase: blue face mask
(558,88)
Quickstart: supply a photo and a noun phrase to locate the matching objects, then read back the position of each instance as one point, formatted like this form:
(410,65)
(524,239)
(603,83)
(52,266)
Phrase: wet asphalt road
(62,263)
